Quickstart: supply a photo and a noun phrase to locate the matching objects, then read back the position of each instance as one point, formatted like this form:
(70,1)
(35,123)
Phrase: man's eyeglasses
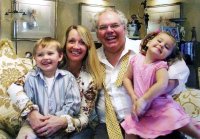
(112,26)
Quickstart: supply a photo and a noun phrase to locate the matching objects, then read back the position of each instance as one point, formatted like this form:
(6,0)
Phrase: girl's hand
(134,116)
(141,106)
(133,113)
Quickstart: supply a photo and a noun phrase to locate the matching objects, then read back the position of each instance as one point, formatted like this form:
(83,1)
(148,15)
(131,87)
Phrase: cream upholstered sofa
(13,67)
(190,100)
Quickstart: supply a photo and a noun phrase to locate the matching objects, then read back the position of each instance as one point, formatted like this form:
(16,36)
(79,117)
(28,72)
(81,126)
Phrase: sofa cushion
(4,135)
(11,69)
(190,100)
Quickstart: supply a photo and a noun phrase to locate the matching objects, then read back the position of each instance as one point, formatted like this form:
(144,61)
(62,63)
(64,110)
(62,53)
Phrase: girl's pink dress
(164,114)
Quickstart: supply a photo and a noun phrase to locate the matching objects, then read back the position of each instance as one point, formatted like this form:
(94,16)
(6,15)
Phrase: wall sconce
(14,14)
(145,16)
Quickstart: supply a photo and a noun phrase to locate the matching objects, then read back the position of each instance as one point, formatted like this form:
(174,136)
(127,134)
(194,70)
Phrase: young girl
(154,112)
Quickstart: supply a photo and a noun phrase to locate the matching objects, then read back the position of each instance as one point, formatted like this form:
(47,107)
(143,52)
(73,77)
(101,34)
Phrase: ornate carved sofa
(13,67)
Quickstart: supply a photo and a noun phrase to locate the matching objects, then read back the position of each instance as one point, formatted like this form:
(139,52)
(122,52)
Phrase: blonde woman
(81,60)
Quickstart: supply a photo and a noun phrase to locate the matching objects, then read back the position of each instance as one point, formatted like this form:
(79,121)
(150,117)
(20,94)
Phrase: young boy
(55,91)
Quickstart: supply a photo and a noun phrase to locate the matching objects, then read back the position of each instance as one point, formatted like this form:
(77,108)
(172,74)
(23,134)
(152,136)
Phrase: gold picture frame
(174,31)
(39,21)
(159,15)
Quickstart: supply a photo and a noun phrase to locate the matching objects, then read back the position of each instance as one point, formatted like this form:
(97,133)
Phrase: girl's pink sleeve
(161,64)
(133,59)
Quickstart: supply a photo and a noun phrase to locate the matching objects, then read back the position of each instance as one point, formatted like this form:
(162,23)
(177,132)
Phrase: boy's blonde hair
(46,41)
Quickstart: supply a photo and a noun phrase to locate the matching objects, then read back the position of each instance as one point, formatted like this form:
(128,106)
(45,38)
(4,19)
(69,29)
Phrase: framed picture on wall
(86,16)
(39,21)
(173,31)
(159,15)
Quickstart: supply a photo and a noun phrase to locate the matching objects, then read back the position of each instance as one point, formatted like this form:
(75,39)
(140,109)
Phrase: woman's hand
(36,120)
(53,124)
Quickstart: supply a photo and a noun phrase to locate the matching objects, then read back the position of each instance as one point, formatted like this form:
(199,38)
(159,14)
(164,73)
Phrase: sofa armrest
(190,101)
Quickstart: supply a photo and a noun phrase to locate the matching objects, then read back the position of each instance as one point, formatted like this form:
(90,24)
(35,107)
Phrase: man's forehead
(108,18)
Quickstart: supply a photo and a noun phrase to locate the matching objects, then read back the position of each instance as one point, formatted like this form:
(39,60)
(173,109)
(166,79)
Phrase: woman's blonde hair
(90,61)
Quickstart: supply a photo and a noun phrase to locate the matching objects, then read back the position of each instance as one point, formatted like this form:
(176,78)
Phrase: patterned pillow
(190,100)
(4,135)
(11,69)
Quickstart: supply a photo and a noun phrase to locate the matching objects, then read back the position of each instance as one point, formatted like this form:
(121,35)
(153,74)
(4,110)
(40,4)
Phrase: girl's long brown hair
(172,58)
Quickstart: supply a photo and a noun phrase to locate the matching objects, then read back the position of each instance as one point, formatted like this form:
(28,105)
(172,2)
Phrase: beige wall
(7,28)
(68,11)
